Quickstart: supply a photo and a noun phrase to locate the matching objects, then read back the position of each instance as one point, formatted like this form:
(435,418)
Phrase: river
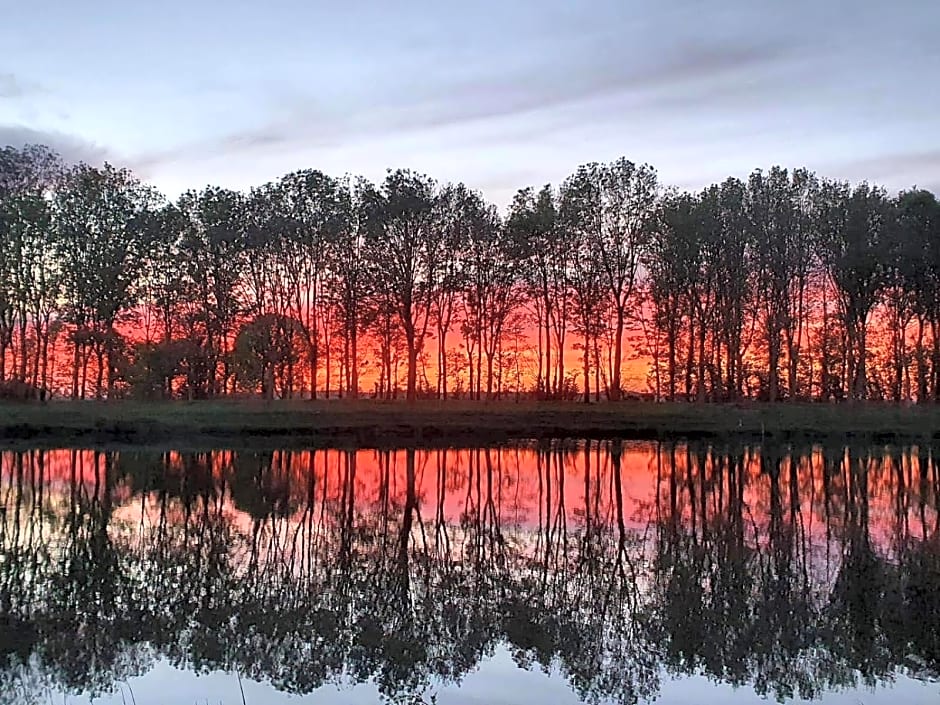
(566,572)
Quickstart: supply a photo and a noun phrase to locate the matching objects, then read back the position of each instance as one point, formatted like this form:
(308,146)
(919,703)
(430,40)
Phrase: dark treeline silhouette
(794,571)
(786,286)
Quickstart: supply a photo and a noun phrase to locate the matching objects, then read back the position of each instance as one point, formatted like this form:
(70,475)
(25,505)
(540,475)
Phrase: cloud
(557,90)
(72,148)
(896,171)
(896,164)
(12,86)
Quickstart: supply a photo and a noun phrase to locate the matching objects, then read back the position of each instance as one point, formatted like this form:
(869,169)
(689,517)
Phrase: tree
(29,277)
(762,290)
(670,264)
(348,264)
(458,209)
(164,281)
(904,247)
(779,209)
(404,241)
(102,247)
(626,196)
(582,224)
(313,215)
(734,271)
(533,224)
(214,248)
(703,289)
(490,292)
(156,367)
(854,224)
(916,270)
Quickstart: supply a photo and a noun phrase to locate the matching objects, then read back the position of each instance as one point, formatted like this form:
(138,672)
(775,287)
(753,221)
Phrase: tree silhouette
(786,286)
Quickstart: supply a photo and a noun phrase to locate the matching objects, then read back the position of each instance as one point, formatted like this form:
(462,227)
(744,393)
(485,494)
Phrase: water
(561,573)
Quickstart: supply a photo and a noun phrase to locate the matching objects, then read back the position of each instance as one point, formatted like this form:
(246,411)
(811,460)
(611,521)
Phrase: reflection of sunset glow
(524,486)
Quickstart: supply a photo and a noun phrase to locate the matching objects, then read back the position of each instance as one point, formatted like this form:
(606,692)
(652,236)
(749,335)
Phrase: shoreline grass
(343,423)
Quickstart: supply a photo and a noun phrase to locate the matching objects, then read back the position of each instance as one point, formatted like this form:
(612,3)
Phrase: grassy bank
(371,423)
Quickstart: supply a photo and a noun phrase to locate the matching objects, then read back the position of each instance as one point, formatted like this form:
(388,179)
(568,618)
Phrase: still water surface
(560,573)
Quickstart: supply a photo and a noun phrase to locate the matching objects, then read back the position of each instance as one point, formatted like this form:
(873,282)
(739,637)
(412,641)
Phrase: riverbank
(455,423)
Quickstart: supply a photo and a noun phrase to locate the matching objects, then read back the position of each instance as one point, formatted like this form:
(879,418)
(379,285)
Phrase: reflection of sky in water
(498,681)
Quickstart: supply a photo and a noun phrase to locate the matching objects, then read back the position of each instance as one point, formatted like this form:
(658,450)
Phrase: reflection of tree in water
(64,582)
(752,567)
(733,600)
(739,596)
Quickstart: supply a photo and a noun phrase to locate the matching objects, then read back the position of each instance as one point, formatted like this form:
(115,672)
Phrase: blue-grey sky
(498,93)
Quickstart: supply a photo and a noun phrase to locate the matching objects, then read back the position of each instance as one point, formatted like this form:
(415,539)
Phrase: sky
(500,94)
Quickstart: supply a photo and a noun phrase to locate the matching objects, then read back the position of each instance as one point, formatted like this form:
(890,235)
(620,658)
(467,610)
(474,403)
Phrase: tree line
(783,286)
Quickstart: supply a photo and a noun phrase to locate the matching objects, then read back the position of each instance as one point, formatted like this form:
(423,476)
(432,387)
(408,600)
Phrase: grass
(243,423)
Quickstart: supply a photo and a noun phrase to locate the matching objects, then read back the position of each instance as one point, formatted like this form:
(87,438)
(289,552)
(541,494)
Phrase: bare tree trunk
(898,332)
(921,363)
(615,385)
(412,392)
(560,378)
(99,377)
(314,368)
(24,341)
(110,340)
(37,356)
(863,359)
(700,382)
(45,361)
(597,370)
(479,346)
(539,384)
(672,344)
(730,370)
(353,363)
(793,356)
(328,369)
(773,362)
(499,368)
(935,362)
(76,362)
(587,368)
(489,374)
(86,356)
(442,364)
